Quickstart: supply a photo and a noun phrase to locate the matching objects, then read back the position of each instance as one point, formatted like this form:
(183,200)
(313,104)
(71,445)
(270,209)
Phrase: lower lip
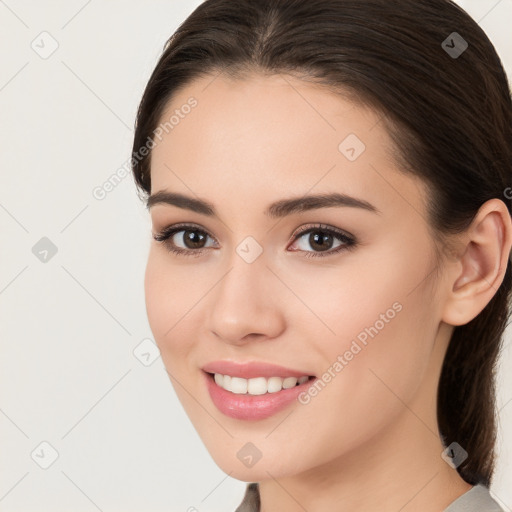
(252,407)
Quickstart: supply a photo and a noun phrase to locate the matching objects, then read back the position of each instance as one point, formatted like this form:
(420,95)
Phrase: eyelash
(348,241)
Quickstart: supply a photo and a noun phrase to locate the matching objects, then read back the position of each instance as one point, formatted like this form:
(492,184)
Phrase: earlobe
(482,264)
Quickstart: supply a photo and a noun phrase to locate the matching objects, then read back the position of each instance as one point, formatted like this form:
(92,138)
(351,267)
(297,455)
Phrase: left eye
(321,238)
(193,239)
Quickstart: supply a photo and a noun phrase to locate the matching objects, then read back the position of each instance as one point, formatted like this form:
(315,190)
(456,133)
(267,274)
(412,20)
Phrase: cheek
(381,324)
(168,299)
(156,297)
(383,299)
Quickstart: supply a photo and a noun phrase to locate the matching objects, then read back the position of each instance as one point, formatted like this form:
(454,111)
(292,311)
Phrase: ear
(480,269)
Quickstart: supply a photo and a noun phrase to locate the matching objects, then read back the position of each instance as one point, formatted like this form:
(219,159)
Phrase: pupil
(195,238)
(320,240)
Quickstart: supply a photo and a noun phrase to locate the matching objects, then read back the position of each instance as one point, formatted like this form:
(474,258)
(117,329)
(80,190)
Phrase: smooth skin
(368,440)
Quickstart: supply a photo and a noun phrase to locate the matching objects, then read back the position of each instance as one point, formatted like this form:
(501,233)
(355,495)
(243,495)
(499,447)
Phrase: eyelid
(307,228)
(180,226)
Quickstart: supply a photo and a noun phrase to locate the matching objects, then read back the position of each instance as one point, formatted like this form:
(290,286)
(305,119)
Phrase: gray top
(477,499)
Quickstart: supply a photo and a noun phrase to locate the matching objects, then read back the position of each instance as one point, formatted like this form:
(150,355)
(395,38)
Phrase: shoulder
(477,499)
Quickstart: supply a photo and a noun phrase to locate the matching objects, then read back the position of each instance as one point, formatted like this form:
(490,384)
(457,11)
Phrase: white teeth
(219,378)
(238,385)
(289,382)
(257,385)
(274,384)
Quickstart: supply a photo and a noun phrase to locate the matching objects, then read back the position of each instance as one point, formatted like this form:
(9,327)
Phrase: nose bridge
(247,271)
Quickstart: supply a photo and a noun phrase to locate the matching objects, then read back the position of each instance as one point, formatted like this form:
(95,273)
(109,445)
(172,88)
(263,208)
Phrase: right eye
(192,237)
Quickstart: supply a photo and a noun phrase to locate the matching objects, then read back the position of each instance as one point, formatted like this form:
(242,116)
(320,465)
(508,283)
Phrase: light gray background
(69,327)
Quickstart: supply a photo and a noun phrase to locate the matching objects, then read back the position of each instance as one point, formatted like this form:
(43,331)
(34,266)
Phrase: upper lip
(251,369)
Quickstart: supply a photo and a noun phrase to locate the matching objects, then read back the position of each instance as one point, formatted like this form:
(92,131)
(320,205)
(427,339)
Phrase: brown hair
(449,115)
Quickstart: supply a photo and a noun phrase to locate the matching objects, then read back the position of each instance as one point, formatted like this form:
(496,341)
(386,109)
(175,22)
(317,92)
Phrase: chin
(251,470)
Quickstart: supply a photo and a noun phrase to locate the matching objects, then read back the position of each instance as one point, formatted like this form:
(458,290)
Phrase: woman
(329,279)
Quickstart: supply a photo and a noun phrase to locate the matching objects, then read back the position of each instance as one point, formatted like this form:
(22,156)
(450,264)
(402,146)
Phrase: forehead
(270,135)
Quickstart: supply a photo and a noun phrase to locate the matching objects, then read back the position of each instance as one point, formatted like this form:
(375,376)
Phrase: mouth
(255,398)
(257,385)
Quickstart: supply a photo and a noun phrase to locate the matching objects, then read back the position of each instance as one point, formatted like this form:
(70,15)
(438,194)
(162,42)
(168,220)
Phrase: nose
(246,303)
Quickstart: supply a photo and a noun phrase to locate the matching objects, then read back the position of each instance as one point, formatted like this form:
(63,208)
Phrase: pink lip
(253,369)
(252,407)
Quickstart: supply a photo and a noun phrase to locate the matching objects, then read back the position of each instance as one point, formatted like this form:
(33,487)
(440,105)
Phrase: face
(340,291)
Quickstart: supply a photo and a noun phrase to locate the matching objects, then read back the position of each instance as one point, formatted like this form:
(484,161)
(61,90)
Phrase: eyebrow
(278,209)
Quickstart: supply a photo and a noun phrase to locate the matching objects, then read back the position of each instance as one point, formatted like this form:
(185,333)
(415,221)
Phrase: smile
(257,385)
(254,398)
